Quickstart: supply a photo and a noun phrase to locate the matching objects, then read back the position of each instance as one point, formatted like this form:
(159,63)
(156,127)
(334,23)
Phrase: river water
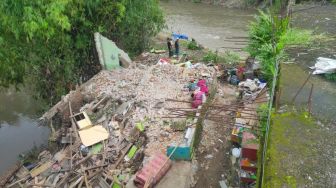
(19,130)
(214,27)
(321,19)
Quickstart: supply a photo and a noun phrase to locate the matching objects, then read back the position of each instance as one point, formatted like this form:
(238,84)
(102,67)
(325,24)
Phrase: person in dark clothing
(177,47)
(169,44)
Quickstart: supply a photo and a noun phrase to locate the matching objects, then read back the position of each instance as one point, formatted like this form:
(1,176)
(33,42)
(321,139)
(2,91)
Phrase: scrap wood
(18,181)
(94,174)
(72,185)
(75,178)
(40,169)
(64,179)
(82,169)
(104,99)
(83,160)
(5,178)
(122,156)
(67,175)
(40,185)
(94,167)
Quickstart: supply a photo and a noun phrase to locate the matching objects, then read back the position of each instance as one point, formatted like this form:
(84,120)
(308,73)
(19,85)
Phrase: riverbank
(301,146)
(301,152)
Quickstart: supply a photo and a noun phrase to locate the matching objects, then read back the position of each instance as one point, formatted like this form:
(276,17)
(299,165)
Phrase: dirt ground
(213,158)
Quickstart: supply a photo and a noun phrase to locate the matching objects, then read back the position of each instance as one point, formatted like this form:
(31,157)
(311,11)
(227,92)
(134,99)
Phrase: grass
(228,58)
(300,37)
(288,146)
(331,77)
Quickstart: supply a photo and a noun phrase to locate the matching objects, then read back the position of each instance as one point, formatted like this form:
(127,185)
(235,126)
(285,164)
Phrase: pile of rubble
(110,126)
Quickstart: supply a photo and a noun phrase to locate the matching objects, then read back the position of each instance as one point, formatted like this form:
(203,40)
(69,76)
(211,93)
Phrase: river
(19,130)
(321,19)
(215,27)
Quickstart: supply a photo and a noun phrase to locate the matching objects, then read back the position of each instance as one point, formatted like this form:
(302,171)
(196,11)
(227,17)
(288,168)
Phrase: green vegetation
(265,41)
(211,57)
(231,58)
(331,76)
(288,146)
(49,45)
(228,58)
(192,45)
(262,112)
(298,37)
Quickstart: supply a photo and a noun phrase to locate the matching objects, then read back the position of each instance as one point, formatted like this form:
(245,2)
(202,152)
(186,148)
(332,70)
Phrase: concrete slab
(177,177)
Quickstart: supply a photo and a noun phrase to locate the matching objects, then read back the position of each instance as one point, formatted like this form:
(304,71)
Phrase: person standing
(170,50)
(177,47)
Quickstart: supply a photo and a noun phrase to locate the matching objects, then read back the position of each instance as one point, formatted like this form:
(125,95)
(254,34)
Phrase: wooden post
(310,99)
(297,93)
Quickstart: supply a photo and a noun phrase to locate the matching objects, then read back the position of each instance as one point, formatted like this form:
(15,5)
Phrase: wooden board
(40,169)
(93,135)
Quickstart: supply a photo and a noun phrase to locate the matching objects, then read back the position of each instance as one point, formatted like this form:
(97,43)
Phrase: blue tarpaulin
(179,36)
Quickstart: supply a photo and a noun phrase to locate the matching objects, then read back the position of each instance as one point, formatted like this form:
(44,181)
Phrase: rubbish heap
(110,127)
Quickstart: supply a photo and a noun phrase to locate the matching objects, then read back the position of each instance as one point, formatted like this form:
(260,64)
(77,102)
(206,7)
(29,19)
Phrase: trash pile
(250,89)
(110,126)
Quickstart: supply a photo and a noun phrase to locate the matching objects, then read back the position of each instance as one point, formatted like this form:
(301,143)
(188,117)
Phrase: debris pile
(110,126)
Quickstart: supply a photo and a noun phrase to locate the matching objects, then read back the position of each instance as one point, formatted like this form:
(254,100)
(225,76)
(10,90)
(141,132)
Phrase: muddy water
(212,26)
(18,126)
(320,20)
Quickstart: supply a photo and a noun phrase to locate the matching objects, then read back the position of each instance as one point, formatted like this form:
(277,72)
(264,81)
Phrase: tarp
(179,36)
(324,65)
(109,54)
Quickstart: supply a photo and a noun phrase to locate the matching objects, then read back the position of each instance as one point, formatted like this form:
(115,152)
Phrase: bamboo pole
(310,99)
(297,93)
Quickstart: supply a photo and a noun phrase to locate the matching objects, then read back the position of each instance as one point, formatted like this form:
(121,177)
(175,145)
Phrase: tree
(49,44)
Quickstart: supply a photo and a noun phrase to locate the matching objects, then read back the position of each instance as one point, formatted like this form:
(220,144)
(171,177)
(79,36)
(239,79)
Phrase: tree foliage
(266,41)
(49,44)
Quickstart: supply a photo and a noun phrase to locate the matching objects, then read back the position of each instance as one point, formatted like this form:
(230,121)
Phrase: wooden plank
(38,170)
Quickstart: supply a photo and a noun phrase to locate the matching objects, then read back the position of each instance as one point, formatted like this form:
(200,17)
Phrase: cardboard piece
(82,120)
(93,135)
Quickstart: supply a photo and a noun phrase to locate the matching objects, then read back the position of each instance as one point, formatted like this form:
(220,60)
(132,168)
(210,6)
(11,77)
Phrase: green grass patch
(288,146)
(228,58)
(331,76)
(300,37)
(192,45)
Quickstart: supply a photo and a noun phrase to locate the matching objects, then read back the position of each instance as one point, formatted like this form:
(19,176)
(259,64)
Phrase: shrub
(210,57)
(192,45)
(231,58)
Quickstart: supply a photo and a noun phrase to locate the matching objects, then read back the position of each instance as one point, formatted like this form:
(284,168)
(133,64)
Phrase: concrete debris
(110,126)
(208,156)
(222,184)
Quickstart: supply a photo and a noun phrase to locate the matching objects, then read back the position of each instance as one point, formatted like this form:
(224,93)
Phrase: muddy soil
(213,157)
